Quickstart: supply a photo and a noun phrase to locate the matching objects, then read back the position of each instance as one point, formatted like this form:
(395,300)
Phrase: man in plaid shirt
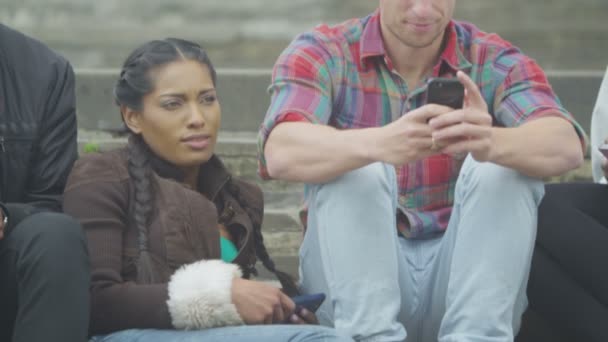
(461,186)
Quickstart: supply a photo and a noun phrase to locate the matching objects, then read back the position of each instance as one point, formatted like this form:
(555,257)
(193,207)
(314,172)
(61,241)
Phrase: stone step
(244,98)
(287,264)
(252,33)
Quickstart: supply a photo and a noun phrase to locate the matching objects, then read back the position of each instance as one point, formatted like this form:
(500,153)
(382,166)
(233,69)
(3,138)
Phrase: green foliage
(91,147)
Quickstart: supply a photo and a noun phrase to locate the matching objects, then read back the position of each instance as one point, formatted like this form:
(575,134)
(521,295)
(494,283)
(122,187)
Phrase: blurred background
(560,34)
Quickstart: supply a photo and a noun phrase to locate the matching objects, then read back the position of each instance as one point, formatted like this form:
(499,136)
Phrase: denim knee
(361,182)
(495,180)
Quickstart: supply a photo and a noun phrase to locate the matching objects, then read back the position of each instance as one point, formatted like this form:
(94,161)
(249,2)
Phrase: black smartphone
(446,92)
(309,302)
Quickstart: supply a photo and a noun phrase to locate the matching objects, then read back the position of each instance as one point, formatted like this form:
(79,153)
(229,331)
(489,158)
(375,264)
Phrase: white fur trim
(200,295)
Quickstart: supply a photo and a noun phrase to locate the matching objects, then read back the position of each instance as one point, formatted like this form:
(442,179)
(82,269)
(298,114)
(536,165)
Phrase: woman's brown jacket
(183,239)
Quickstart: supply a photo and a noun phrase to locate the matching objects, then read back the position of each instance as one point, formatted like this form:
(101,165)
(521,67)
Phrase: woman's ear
(131,118)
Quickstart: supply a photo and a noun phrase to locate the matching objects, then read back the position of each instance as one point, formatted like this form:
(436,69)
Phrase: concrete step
(252,33)
(287,264)
(244,99)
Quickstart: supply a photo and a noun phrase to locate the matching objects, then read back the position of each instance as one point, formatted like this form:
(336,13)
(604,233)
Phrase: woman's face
(180,117)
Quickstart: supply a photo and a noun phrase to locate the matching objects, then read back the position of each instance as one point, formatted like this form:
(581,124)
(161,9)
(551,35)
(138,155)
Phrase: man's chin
(422,42)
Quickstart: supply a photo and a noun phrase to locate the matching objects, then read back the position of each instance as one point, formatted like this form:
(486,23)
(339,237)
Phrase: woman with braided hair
(172,236)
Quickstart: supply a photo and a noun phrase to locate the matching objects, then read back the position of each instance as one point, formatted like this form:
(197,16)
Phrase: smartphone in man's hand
(446,92)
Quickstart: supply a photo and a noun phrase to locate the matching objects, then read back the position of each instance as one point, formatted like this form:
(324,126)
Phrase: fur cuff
(200,295)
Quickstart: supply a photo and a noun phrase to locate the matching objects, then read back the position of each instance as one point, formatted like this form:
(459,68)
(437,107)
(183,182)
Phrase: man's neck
(412,63)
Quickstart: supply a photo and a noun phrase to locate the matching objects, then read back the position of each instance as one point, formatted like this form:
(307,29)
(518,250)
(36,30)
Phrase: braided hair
(287,282)
(134,83)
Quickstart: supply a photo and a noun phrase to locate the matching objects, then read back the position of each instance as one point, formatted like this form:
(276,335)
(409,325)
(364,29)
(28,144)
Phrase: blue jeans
(466,285)
(246,333)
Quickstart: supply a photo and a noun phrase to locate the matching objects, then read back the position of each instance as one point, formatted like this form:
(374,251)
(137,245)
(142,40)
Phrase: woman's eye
(208,99)
(170,105)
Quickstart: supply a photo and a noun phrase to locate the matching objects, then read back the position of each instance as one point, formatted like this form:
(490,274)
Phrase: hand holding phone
(446,92)
(306,306)
(309,302)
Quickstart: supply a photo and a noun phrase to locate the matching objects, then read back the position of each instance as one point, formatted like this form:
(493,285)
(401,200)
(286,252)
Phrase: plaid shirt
(341,76)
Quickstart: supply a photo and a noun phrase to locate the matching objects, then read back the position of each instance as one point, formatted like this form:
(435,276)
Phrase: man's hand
(260,303)
(467,130)
(408,138)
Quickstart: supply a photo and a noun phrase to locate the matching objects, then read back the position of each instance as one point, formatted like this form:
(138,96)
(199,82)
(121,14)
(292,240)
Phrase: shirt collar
(452,54)
(372,45)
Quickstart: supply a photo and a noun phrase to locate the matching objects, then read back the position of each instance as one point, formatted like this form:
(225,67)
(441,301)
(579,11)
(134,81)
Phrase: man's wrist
(367,146)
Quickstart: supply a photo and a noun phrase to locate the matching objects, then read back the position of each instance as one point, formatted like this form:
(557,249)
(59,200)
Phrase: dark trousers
(44,281)
(568,286)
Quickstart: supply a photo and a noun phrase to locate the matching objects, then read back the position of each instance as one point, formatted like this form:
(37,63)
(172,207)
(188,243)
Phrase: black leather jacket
(37,125)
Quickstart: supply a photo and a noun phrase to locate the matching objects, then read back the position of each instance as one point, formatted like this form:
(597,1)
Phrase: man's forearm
(310,153)
(541,148)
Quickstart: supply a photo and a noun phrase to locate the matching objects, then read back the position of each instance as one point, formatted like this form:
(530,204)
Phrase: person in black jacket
(44,275)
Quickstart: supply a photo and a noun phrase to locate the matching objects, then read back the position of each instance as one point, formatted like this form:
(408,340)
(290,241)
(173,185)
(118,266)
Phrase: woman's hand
(260,303)
(303,317)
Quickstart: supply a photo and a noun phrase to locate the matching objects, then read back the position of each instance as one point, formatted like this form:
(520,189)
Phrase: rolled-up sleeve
(525,94)
(301,89)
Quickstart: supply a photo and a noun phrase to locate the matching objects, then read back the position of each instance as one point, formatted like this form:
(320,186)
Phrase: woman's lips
(198,142)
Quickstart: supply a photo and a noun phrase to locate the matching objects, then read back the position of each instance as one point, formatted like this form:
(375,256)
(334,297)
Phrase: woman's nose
(197,116)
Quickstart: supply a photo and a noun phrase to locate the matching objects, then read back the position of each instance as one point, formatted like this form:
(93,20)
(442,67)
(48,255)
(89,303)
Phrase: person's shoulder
(333,38)
(109,166)
(475,38)
(26,54)
(485,48)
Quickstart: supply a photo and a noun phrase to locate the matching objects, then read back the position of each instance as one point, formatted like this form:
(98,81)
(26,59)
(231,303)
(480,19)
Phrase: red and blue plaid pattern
(341,76)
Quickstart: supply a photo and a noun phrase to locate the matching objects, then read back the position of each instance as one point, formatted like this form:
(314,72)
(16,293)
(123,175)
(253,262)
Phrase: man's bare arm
(312,153)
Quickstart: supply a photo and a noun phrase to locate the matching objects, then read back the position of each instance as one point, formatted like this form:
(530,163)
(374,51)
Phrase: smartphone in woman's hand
(309,302)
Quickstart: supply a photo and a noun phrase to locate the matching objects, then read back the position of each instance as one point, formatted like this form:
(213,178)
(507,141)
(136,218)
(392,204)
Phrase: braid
(134,82)
(287,281)
(141,173)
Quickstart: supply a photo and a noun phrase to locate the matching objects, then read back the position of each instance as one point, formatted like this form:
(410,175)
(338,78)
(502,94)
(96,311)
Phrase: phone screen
(445,91)
(311,302)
